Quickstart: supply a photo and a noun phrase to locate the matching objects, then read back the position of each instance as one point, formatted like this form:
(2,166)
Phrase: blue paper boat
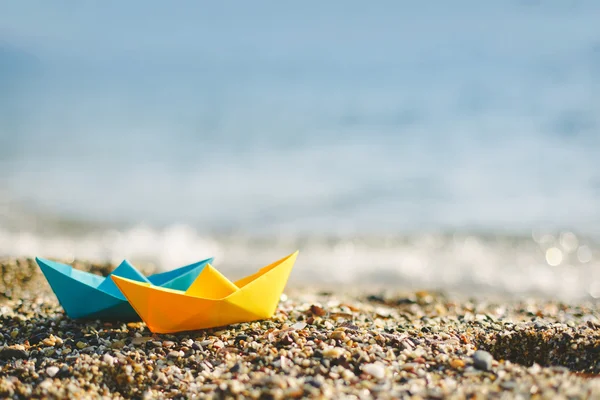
(87,296)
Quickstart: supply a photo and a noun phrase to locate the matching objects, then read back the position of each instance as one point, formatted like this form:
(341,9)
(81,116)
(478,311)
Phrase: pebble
(175,354)
(317,310)
(162,378)
(36,339)
(409,367)
(140,340)
(338,335)
(508,385)
(457,363)
(46,384)
(50,341)
(64,371)
(52,371)
(375,370)
(482,360)
(299,325)
(333,352)
(9,353)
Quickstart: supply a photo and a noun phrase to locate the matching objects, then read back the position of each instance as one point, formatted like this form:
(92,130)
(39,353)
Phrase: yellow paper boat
(211,301)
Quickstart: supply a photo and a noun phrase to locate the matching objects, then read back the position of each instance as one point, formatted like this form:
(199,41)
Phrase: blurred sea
(431,144)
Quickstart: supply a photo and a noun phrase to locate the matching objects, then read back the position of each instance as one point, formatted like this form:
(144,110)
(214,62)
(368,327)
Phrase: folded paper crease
(211,301)
(88,296)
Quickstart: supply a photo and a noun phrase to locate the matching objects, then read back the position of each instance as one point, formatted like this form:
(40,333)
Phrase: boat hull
(170,311)
(87,296)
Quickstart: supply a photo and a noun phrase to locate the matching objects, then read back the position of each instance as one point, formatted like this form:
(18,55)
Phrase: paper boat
(89,296)
(211,301)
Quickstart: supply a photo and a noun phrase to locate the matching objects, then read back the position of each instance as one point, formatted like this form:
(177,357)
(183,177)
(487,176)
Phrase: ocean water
(440,145)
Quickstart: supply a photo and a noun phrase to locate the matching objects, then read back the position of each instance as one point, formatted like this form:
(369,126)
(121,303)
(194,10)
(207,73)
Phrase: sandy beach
(320,344)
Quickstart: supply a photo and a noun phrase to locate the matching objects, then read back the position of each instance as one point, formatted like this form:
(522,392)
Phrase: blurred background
(437,144)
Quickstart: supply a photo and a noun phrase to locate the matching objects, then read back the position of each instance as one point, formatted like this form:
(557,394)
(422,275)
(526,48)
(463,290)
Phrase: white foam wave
(562,266)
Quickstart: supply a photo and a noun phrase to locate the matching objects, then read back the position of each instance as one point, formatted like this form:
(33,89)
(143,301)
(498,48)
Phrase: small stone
(333,352)
(316,310)
(539,325)
(411,367)
(140,340)
(168,344)
(338,335)
(187,352)
(175,354)
(349,326)
(287,340)
(46,384)
(236,387)
(293,393)
(52,371)
(119,344)
(534,369)
(36,339)
(457,363)
(482,360)
(175,370)
(376,370)
(314,383)
(347,375)
(64,372)
(107,358)
(299,325)
(161,378)
(81,345)
(8,353)
(508,385)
